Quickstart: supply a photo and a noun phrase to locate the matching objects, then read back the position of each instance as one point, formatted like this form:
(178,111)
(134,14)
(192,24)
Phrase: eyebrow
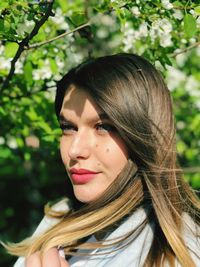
(102,116)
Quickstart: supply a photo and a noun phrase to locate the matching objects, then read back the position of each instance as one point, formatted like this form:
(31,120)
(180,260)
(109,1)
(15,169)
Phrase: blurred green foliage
(32,59)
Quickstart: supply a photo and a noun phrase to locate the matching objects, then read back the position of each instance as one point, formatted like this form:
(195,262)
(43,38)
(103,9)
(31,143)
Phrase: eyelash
(100,126)
(66,126)
(110,127)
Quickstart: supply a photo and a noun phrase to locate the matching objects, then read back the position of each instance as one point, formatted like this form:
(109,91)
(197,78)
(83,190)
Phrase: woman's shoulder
(191,236)
(134,249)
(191,229)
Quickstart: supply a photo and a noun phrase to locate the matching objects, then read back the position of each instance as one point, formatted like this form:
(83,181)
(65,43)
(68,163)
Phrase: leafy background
(42,40)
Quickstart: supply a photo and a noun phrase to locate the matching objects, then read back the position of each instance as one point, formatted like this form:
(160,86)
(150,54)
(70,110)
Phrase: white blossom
(174,77)
(5,63)
(11,142)
(198,51)
(2,140)
(59,20)
(192,12)
(59,62)
(135,11)
(180,125)
(161,29)
(181,58)
(43,72)
(166,25)
(115,41)
(198,21)
(165,41)
(143,30)
(2,47)
(78,58)
(192,86)
(158,65)
(178,14)
(51,92)
(132,35)
(47,29)
(25,27)
(166,4)
(105,20)
(19,67)
(183,41)
(102,33)
(197,104)
(55,49)
(192,40)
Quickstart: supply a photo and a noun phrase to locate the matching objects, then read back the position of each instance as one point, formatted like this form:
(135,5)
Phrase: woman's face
(91,149)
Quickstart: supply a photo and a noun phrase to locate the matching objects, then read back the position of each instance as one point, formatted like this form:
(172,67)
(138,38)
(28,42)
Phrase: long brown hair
(134,96)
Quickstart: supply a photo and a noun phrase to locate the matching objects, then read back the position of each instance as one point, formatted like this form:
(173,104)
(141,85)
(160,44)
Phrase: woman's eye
(105,127)
(67,128)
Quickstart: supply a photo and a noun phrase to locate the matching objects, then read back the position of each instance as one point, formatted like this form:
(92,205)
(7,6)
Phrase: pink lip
(82,176)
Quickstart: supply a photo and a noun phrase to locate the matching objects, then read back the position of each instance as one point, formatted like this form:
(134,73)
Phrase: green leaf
(177,4)
(20,142)
(27,156)
(53,65)
(48,138)
(197,10)
(1,26)
(195,181)
(5,153)
(181,147)
(10,49)
(2,111)
(45,127)
(63,4)
(78,18)
(3,4)
(32,114)
(6,26)
(190,25)
(28,72)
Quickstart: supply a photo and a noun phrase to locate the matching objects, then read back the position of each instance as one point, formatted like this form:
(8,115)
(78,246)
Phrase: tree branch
(186,49)
(24,43)
(191,169)
(57,37)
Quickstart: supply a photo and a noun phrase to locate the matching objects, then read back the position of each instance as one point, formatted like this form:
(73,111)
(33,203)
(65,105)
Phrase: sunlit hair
(134,96)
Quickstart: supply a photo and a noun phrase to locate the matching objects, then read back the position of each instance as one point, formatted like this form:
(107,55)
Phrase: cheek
(112,154)
(63,149)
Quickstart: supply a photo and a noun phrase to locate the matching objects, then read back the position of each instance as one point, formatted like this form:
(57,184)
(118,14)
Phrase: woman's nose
(80,146)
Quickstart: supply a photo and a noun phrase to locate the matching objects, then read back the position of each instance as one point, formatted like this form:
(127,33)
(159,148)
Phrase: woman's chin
(85,195)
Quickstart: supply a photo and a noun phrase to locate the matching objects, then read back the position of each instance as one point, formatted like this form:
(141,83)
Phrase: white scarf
(132,255)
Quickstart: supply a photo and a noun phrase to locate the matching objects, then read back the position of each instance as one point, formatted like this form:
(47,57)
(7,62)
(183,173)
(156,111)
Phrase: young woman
(118,148)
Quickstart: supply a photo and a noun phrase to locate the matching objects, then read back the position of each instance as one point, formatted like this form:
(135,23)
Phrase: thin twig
(57,37)
(182,7)
(24,43)
(86,7)
(186,49)
(191,170)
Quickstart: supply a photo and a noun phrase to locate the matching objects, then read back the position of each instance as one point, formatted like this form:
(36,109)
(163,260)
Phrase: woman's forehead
(77,101)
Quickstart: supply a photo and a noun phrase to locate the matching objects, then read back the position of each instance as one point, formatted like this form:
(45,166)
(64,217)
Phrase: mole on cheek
(107,150)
